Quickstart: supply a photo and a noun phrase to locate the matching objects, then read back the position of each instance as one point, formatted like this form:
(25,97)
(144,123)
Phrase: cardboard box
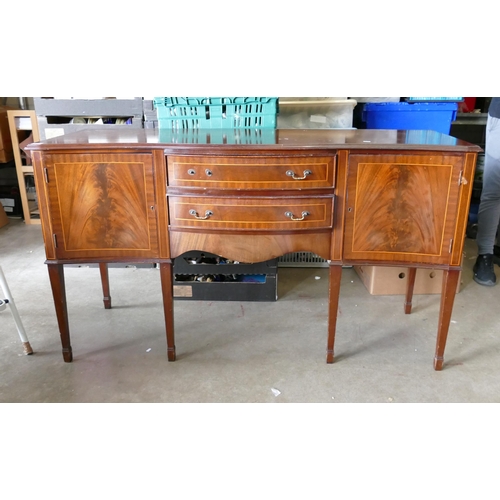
(6,152)
(3,217)
(380,280)
(6,156)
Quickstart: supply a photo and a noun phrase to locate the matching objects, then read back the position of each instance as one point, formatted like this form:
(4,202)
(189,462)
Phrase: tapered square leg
(448,292)
(166,275)
(56,276)
(410,284)
(103,269)
(335,275)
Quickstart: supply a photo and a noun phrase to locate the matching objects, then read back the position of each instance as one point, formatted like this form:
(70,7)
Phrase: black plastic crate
(205,276)
(228,291)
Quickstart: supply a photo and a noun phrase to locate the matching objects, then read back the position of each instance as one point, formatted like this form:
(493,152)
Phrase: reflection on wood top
(262,139)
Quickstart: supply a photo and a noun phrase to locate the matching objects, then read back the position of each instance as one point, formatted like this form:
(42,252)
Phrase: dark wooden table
(353,197)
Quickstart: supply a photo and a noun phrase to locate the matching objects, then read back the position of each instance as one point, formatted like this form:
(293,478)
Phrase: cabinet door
(102,205)
(402,207)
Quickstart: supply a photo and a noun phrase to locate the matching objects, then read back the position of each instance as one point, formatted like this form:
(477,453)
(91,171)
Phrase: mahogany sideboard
(352,197)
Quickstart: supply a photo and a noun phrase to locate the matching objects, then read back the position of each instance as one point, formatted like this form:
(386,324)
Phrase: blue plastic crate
(435,116)
(434,99)
(180,113)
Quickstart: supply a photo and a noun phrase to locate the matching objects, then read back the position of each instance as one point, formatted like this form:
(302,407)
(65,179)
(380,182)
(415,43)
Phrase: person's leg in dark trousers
(489,207)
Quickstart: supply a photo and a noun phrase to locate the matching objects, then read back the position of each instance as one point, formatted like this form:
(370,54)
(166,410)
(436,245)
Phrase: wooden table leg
(103,269)
(448,292)
(166,275)
(410,284)
(56,275)
(335,275)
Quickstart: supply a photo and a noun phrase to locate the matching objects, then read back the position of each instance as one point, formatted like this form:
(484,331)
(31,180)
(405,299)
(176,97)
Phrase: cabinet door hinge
(451,246)
(46,174)
(54,239)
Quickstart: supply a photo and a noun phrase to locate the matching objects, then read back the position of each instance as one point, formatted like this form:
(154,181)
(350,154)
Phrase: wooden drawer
(251,172)
(251,213)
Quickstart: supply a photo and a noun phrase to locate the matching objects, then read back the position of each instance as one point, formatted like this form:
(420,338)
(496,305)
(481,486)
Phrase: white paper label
(318,118)
(183,291)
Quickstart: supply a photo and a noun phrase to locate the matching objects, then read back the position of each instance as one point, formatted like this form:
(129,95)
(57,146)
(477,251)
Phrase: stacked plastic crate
(149,113)
(206,119)
(60,116)
(416,113)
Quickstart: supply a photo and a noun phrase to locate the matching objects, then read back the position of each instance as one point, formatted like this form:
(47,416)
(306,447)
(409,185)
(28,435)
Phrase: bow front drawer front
(243,172)
(251,213)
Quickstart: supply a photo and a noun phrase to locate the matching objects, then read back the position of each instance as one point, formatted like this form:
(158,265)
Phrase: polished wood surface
(380,197)
(322,141)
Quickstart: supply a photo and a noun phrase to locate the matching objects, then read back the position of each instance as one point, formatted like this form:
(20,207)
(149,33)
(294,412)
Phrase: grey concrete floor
(271,352)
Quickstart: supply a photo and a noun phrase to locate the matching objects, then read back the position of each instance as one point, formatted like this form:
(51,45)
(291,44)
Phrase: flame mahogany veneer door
(102,205)
(402,207)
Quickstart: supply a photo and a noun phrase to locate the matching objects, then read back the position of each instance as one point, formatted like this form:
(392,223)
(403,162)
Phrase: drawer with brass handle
(237,172)
(251,213)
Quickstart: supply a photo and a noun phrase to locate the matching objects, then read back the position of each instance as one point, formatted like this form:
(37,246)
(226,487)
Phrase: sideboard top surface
(272,140)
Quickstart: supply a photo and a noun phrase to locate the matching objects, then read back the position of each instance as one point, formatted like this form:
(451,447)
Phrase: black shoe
(483,270)
(496,255)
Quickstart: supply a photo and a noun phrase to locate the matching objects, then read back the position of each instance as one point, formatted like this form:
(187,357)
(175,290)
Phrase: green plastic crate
(250,136)
(180,113)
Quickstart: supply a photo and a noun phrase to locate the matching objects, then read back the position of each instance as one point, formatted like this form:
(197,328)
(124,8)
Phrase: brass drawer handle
(291,174)
(305,213)
(208,172)
(208,213)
